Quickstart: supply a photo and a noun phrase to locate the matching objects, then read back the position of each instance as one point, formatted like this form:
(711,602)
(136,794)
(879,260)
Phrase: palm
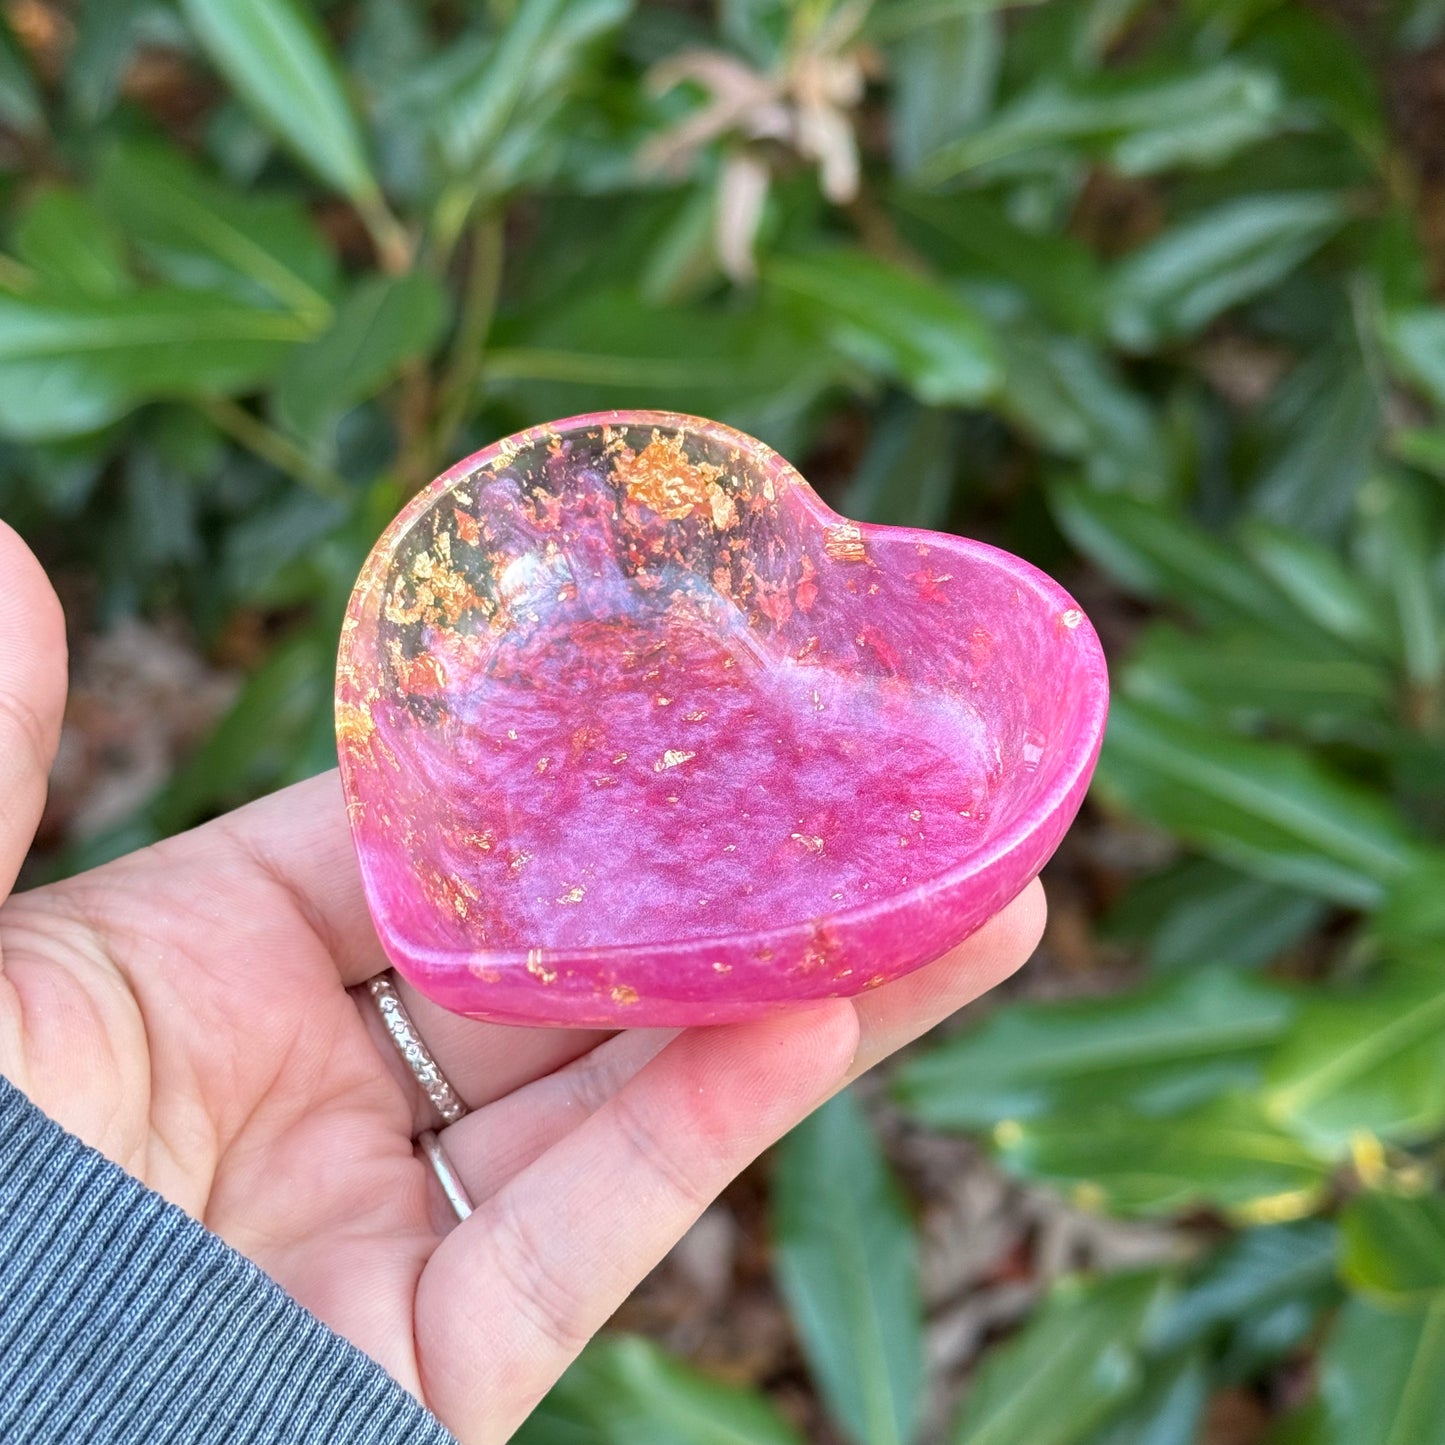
(185,1010)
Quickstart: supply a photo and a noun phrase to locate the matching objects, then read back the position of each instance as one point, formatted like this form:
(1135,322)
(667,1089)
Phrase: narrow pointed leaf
(1161,1049)
(1267,808)
(1075,1360)
(69,365)
(384,322)
(624,1390)
(1176,284)
(1141,123)
(1383,1376)
(198,231)
(1394,1246)
(65,239)
(20,102)
(846,1261)
(281,63)
(1201,913)
(1365,1060)
(1226,1154)
(1257,1271)
(894,322)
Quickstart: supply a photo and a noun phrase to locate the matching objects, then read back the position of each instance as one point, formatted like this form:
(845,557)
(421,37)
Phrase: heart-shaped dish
(635,730)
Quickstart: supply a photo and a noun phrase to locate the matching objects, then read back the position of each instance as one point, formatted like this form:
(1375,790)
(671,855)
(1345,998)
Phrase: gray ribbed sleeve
(123,1320)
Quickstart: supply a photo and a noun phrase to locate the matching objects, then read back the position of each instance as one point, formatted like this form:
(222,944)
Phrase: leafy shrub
(1150,282)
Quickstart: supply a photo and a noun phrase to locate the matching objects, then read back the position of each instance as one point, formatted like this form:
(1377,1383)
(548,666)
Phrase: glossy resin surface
(635,730)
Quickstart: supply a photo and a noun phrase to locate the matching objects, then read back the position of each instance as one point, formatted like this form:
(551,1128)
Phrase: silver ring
(448,1103)
(447,1177)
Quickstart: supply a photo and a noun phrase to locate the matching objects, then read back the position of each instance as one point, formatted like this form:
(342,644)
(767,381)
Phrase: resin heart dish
(635,730)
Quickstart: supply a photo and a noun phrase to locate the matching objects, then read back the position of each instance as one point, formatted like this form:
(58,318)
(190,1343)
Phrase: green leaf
(756,369)
(1140,123)
(1266,808)
(847,1264)
(944,80)
(1415,343)
(906,477)
(1399,540)
(1157,554)
(20,102)
(893,322)
(65,239)
(1077,1358)
(1168,1411)
(1247,675)
(486,98)
(965,233)
(1225,1153)
(1304,1426)
(69,365)
(1383,1376)
(106,35)
(1067,395)
(1365,1060)
(1159,1050)
(892,19)
(1176,284)
(281,63)
(1326,416)
(490,102)
(1320,62)
(383,323)
(1317,580)
(1394,1246)
(624,1390)
(1200,913)
(1255,1273)
(200,232)
(256,745)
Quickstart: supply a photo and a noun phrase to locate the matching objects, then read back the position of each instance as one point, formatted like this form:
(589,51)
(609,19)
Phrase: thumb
(32,697)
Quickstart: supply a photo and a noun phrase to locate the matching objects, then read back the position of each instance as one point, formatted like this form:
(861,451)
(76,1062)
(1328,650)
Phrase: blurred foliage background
(1145,291)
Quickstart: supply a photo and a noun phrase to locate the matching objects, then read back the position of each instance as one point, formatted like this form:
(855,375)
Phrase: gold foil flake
(662,701)
(624,995)
(543,764)
(397,610)
(440,593)
(619,758)
(538,969)
(810,842)
(422,675)
(574,894)
(671,759)
(1072,618)
(724,511)
(844,543)
(354,727)
(662,478)
(468,528)
(696,715)
(720,967)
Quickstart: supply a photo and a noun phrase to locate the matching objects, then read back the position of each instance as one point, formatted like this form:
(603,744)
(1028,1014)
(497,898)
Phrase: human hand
(185,1010)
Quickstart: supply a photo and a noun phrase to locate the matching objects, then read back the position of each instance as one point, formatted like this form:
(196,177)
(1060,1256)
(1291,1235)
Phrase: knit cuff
(125,1322)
